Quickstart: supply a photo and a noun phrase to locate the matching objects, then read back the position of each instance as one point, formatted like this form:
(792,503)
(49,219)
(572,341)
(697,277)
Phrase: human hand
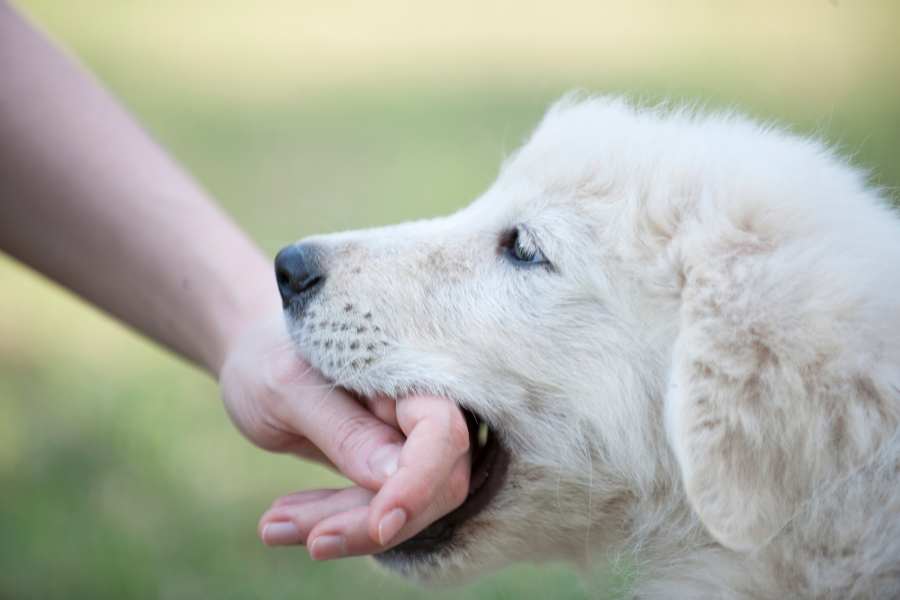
(431,480)
(279,403)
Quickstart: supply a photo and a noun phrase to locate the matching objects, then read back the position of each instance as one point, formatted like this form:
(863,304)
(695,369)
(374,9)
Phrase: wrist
(254,299)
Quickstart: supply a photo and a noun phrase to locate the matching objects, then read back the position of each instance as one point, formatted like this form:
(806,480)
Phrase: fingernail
(326,547)
(280,534)
(385,460)
(390,525)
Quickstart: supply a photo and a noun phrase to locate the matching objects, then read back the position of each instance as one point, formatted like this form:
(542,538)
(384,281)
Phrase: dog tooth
(483,432)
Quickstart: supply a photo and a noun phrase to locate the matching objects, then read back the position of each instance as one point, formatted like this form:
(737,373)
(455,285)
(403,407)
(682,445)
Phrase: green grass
(120,475)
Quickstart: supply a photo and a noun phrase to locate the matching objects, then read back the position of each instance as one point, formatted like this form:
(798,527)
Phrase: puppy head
(556,307)
(509,308)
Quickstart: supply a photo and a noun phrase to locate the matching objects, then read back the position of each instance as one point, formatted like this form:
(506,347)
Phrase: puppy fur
(703,384)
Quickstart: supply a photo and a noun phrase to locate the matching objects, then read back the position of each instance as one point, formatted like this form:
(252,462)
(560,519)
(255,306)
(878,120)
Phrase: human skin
(90,201)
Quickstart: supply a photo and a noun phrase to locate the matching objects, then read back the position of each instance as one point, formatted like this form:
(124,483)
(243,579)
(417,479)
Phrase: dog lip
(488,475)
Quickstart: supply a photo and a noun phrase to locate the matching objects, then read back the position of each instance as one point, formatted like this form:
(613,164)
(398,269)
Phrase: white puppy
(684,334)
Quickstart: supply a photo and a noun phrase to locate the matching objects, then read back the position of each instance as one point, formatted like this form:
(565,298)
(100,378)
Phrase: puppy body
(703,378)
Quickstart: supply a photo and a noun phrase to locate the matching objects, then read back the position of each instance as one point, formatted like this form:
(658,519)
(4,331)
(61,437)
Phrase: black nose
(299,272)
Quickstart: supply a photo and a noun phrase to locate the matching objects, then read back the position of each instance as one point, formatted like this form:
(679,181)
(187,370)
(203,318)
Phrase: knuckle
(350,436)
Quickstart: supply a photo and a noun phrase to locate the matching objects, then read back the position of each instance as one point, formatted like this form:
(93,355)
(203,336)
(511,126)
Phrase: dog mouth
(489,464)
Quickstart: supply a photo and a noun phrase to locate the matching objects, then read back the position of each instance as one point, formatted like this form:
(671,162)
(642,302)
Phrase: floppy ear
(772,394)
(736,409)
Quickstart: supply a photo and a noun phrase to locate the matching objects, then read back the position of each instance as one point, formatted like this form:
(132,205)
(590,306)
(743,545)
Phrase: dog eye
(519,247)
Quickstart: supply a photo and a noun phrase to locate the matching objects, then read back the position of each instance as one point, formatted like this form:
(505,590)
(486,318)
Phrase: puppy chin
(451,567)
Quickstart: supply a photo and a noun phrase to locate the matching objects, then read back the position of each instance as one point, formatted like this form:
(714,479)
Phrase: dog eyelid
(520,247)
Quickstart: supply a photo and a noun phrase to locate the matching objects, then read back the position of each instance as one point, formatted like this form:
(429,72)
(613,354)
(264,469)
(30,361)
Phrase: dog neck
(668,553)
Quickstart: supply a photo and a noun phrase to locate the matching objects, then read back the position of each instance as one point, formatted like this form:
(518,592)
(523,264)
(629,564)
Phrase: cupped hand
(409,459)
(432,479)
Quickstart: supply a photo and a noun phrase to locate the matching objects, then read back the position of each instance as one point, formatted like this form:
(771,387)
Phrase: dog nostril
(299,273)
(283,277)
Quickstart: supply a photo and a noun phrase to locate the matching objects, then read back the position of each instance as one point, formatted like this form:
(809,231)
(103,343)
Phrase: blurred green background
(120,476)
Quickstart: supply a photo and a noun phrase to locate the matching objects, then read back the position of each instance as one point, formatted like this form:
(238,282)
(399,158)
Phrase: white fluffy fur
(706,385)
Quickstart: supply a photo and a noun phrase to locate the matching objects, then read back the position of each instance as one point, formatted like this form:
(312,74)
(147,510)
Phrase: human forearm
(88,199)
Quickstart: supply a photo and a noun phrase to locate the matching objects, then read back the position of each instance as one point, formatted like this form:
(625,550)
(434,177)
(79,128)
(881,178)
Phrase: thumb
(363,447)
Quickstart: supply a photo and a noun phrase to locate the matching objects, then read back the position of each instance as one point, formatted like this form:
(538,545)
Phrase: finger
(347,533)
(302,497)
(358,443)
(383,407)
(343,534)
(291,523)
(433,473)
(303,448)
(448,496)
(395,527)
